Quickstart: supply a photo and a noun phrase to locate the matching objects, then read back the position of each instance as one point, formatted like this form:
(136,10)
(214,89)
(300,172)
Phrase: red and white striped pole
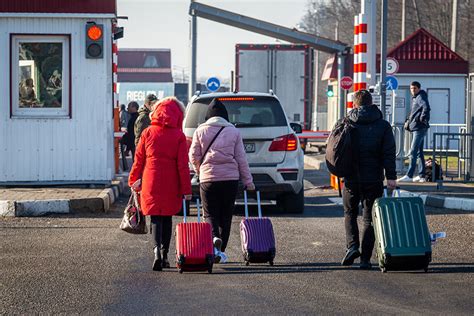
(350,101)
(356,51)
(362,52)
(114,70)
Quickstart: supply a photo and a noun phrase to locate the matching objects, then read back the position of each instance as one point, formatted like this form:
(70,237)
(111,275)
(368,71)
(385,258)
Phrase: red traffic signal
(94,41)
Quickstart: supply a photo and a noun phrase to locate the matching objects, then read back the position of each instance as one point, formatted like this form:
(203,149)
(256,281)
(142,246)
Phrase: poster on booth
(136,91)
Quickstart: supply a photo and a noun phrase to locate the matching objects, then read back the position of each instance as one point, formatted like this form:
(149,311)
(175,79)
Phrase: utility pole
(383,58)
(403,19)
(454,25)
(193,43)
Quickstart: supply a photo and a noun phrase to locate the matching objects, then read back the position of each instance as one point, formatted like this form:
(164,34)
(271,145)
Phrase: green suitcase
(402,237)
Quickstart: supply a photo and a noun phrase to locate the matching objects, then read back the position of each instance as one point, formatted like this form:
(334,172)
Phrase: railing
(456,165)
(455,146)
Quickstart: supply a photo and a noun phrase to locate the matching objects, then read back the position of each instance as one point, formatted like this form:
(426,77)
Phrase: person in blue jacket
(418,124)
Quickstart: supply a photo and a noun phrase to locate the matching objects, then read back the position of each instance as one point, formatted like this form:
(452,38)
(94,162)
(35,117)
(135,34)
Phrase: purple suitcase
(256,234)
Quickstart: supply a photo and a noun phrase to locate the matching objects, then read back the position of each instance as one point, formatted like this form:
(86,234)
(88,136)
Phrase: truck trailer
(287,70)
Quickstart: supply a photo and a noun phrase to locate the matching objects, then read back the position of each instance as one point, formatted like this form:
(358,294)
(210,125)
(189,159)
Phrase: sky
(165,24)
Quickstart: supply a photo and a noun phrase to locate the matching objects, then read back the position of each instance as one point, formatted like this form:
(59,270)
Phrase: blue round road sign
(391,83)
(213,84)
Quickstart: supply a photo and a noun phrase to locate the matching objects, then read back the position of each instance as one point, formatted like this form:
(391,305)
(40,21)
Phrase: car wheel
(292,202)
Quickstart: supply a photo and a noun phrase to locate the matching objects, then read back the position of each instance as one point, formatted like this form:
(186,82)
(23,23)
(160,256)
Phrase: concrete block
(436,201)
(104,196)
(89,205)
(41,207)
(315,163)
(7,208)
(116,190)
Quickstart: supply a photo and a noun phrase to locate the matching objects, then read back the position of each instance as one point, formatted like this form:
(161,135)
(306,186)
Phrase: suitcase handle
(184,210)
(198,206)
(385,192)
(259,206)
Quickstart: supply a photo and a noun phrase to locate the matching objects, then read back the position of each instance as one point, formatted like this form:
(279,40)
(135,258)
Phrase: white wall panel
(59,149)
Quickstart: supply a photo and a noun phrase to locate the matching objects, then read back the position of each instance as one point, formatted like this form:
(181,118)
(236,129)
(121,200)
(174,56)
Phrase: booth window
(40,75)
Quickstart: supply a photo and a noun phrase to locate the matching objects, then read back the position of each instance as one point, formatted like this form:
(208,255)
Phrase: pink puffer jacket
(226,159)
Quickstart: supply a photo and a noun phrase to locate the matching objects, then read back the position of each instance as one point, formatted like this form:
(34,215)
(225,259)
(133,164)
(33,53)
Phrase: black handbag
(133,221)
(196,175)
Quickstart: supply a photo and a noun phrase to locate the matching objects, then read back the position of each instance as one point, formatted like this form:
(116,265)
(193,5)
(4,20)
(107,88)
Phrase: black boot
(157,261)
(165,263)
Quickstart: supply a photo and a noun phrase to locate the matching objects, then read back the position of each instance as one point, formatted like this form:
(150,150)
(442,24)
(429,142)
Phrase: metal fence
(456,164)
(447,143)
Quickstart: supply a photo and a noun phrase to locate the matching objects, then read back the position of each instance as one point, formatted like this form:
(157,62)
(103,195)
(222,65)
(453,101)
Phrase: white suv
(273,149)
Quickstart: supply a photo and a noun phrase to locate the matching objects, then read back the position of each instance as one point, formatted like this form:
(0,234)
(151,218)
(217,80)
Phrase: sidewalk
(457,196)
(24,201)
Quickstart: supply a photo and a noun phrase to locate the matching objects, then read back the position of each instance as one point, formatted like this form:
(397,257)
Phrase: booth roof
(59,6)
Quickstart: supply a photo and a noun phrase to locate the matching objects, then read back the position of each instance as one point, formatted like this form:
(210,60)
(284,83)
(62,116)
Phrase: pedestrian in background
(124,117)
(375,153)
(417,124)
(161,174)
(144,120)
(218,157)
(129,138)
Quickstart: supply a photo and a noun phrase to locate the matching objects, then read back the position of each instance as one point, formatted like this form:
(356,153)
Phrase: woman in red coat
(161,172)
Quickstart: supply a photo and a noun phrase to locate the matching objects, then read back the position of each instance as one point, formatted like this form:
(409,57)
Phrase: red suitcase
(257,237)
(194,248)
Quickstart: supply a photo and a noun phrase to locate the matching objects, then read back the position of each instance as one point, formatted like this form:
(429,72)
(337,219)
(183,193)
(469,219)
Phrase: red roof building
(421,52)
(144,65)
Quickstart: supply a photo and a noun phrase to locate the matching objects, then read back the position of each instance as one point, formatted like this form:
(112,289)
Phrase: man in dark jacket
(129,137)
(418,124)
(375,153)
(143,120)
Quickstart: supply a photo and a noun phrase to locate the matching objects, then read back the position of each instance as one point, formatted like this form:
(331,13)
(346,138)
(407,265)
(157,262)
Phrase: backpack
(429,170)
(340,156)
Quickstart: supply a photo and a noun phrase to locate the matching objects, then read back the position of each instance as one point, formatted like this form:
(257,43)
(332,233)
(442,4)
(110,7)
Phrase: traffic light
(94,40)
(330,91)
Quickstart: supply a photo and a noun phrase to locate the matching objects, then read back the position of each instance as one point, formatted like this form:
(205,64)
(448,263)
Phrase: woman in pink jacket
(220,164)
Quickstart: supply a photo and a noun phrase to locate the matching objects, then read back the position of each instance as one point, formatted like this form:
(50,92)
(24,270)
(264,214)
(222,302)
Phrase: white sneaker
(419,179)
(224,257)
(405,178)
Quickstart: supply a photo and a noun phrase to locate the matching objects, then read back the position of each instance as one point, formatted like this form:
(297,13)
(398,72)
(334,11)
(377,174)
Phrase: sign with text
(346,83)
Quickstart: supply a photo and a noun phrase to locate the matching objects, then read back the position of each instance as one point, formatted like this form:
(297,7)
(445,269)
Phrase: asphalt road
(86,265)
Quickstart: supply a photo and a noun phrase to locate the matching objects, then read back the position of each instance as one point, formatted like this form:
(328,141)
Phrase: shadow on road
(281,268)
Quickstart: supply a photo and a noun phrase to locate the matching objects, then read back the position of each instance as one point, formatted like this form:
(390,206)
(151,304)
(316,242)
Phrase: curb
(452,203)
(101,203)
(315,163)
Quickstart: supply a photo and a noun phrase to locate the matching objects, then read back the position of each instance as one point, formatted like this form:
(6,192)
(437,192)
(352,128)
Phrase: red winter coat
(161,161)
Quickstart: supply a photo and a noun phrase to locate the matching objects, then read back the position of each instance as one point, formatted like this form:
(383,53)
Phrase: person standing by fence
(418,124)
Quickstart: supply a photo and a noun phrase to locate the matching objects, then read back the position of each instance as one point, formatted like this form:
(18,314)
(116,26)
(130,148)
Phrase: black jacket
(376,144)
(420,112)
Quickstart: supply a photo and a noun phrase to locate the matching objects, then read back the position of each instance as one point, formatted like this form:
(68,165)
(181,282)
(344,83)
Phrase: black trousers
(352,195)
(218,199)
(161,227)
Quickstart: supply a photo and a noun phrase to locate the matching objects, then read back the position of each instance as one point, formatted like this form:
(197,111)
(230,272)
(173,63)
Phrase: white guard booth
(56,105)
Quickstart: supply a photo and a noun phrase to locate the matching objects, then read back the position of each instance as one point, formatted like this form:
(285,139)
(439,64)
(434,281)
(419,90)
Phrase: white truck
(287,70)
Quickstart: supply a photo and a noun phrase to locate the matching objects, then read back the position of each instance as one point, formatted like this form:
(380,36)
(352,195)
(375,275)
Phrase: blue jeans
(416,152)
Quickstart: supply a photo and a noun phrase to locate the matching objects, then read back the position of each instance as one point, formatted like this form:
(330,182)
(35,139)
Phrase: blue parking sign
(213,84)
(391,83)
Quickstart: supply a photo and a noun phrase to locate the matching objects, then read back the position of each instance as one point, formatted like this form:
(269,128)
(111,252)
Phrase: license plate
(249,147)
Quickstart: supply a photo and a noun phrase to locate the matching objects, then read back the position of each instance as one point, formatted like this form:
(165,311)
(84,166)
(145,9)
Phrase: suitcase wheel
(384,270)
(180,270)
(271,263)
